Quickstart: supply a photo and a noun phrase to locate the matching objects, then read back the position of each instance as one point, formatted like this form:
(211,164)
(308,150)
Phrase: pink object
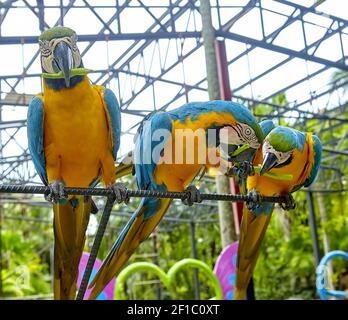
(108,292)
(225,270)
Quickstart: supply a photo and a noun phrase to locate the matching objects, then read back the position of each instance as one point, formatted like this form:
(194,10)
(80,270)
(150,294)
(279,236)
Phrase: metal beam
(107,37)
(283,50)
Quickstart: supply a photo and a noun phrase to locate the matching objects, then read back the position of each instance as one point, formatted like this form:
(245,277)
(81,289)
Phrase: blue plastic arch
(320,273)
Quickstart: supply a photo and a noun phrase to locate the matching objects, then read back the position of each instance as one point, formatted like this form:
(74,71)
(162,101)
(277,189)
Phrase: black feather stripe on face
(238,130)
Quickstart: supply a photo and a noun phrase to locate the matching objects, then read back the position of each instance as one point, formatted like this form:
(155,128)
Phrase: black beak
(63,57)
(269,162)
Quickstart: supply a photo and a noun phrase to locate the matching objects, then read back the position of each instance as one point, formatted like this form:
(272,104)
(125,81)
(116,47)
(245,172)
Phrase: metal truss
(157,63)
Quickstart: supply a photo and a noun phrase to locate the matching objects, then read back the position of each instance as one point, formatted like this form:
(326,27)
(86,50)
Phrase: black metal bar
(111,37)
(314,230)
(41,15)
(283,50)
(95,248)
(195,256)
(138,193)
(250,293)
(156,262)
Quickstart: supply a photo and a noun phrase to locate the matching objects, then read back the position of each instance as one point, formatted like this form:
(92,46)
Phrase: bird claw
(193,195)
(255,200)
(288,203)
(120,192)
(245,169)
(56,191)
(242,171)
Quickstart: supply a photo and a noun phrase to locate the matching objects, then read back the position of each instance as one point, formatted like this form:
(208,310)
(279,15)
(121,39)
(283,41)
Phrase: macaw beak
(246,155)
(269,162)
(64,59)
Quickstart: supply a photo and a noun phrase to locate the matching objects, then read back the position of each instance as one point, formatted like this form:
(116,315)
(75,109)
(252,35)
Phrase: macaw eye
(248,132)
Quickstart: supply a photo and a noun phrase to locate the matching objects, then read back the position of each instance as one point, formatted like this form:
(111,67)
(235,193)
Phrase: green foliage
(25,253)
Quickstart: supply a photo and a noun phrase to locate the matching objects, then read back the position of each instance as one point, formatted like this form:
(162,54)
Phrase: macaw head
(266,126)
(278,148)
(59,52)
(240,142)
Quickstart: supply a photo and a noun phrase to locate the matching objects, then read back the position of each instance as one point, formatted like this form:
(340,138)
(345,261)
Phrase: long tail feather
(252,231)
(137,229)
(70,224)
(126,166)
(124,170)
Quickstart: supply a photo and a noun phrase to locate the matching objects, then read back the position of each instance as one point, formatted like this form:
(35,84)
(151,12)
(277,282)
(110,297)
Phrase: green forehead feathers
(56,32)
(283,139)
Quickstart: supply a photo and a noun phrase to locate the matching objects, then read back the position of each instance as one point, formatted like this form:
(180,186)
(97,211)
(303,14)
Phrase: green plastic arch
(167,279)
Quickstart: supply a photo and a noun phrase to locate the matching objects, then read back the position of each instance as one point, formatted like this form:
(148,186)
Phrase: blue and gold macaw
(235,127)
(74,135)
(284,151)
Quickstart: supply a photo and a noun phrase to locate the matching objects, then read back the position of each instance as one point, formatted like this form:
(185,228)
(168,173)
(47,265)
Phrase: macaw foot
(242,171)
(120,192)
(289,202)
(255,200)
(245,169)
(193,195)
(56,192)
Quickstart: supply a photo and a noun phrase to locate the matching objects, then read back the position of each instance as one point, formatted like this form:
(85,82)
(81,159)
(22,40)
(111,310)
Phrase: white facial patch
(281,156)
(47,50)
(239,134)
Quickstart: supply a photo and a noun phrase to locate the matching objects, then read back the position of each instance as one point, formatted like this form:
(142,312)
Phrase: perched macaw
(74,135)
(285,151)
(235,127)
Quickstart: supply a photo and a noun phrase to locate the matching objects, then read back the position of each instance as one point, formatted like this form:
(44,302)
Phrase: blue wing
(315,168)
(114,112)
(317,159)
(35,127)
(151,139)
(266,126)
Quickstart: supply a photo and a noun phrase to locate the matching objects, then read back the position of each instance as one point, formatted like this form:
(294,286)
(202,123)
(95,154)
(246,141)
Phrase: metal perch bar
(95,247)
(139,193)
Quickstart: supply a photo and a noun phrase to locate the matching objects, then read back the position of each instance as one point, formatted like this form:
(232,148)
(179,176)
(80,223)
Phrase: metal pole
(326,242)
(226,94)
(156,261)
(222,183)
(314,230)
(95,248)
(195,256)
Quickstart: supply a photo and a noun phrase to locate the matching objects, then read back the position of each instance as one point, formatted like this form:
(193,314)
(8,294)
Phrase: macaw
(73,132)
(235,127)
(286,151)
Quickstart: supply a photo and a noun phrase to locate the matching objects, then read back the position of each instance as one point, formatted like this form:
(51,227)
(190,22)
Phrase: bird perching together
(74,135)
(284,151)
(169,162)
